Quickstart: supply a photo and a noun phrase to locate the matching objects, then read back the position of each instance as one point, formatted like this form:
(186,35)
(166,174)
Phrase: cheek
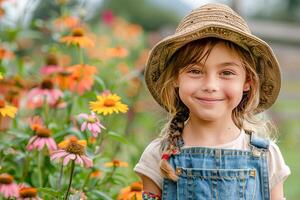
(234,92)
(187,87)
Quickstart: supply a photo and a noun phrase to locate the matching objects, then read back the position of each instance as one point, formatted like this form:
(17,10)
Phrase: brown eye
(227,73)
(195,71)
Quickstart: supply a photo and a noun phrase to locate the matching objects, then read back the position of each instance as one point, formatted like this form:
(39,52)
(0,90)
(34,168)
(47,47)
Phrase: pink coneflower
(72,149)
(51,66)
(41,139)
(28,193)
(45,92)
(92,123)
(8,188)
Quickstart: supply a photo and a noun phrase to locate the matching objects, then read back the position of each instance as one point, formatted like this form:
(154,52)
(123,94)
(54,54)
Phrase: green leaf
(117,137)
(100,82)
(50,192)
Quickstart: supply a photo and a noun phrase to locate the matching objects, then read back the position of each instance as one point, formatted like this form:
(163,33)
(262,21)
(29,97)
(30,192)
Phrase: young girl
(213,76)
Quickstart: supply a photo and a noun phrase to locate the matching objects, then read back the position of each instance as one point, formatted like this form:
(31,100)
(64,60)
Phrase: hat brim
(267,65)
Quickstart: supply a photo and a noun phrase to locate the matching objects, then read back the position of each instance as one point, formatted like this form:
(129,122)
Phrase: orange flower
(128,32)
(63,78)
(134,191)
(96,174)
(2,12)
(81,78)
(124,69)
(66,22)
(5,54)
(78,38)
(119,52)
(36,123)
(116,163)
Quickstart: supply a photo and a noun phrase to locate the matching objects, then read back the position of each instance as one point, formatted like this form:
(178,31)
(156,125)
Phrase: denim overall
(225,174)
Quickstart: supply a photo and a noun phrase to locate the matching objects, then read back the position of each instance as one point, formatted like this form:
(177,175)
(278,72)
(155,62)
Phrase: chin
(209,117)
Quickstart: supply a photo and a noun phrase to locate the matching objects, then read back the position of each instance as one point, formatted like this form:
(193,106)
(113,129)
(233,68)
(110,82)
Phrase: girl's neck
(209,133)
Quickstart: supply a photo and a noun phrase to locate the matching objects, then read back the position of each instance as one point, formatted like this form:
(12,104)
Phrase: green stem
(80,52)
(40,166)
(25,167)
(46,111)
(71,177)
(60,176)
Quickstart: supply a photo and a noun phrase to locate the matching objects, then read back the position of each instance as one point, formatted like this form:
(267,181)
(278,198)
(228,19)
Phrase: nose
(209,84)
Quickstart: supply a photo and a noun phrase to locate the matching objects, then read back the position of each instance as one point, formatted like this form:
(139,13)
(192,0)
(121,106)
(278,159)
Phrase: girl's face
(214,87)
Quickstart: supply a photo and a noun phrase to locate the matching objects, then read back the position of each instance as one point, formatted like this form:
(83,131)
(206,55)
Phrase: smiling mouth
(209,100)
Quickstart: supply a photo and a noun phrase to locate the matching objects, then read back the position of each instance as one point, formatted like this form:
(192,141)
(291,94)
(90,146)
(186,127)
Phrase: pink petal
(87,161)
(29,147)
(90,126)
(83,126)
(79,160)
(36,143)
(41,144)
(32,139)
(68,158)
(58,154)
(51,144)
(95,134)
(96,128)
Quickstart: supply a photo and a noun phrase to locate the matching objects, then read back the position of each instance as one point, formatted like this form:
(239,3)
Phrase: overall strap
(259,147)
(259,142)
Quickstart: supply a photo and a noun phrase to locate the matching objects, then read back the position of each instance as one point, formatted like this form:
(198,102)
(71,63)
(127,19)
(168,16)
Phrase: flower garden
(69,93)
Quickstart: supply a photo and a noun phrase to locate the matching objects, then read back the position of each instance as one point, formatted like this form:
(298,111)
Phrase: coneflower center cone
(75,148)
(77,32)
(43,132)
(51,60)
(91,119)
(6,179)
(28,192)
(47,84)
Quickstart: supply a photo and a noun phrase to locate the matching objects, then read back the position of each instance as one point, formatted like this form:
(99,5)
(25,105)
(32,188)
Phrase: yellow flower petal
(9,111)
(108,104)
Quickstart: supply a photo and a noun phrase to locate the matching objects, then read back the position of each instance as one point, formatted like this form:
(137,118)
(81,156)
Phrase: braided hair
(172,141)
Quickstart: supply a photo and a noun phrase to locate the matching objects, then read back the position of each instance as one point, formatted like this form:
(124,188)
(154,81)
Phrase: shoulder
(148,164)
(278,169)
(154,146)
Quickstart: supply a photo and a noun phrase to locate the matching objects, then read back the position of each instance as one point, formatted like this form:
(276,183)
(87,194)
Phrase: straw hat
(220,21)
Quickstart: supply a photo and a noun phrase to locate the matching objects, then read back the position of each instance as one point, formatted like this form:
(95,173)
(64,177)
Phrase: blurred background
(23,26)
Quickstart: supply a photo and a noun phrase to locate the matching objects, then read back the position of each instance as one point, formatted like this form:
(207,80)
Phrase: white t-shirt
(148,164)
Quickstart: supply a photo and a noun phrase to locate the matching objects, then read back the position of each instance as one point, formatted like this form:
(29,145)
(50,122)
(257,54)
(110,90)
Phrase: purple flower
(8,188)
(41,139)
(92,123)
(72,149)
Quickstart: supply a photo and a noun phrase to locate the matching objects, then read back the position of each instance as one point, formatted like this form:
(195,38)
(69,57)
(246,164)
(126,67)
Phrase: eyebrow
(225,64)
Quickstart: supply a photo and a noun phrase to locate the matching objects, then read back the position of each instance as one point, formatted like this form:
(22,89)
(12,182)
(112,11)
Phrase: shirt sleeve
(148,164)
(278,170)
